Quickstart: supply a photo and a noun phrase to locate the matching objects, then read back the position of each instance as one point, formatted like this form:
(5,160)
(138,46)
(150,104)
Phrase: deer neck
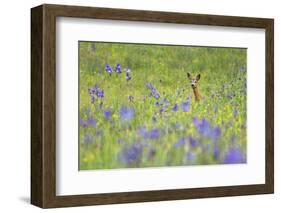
(196,93)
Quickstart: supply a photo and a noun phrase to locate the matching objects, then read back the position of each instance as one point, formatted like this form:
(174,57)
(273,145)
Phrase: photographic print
(152,105)
(195,95)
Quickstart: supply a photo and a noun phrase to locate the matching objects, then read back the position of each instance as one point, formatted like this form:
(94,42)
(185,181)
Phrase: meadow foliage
(137,108)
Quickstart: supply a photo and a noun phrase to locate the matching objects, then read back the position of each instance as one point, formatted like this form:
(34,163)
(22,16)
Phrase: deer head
(193,80)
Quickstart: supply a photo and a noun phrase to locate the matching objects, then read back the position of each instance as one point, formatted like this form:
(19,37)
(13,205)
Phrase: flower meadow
(137,108)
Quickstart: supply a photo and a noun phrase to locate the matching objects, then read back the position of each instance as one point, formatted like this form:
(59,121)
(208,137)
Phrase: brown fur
(197,94)
(194,85)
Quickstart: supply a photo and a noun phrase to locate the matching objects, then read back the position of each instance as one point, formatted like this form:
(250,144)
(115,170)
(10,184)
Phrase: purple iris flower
(118,68)
(178,126)
(101,105)
(126,113)
(193,142)
(92,122)
(132,153)
(154,133)
(99,133)
(180,142)
(191,156)
(215,133)
(165,100)
(83,123)
(216,152)
(108,69)
(128,77)
(162,109)
(175,108)
(100,93)
(153,91)
(204,128)
(157,103)
(142,132)
(87,139)
(196,121)
(234,155)
(131,98)
(94,92)
(107,114)
(88,111)
(155,94)
(93,99)
(185,106)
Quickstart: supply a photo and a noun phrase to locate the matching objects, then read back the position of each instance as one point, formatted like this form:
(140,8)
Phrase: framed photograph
(136,106)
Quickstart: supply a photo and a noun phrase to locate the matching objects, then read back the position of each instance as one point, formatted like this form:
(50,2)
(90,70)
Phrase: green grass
(117,143)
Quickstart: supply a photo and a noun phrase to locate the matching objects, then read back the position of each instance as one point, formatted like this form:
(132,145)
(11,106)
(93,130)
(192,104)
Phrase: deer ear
(198,77)
(188,75)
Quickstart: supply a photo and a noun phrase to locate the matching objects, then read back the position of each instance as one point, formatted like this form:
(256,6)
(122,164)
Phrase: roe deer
(194,85)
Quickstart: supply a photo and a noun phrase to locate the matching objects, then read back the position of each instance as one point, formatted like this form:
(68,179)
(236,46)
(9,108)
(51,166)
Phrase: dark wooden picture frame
(43,105)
